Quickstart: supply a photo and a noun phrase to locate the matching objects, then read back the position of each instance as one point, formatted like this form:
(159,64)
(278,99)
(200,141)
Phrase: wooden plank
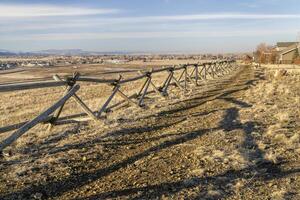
(103,108)
(94,79)
(144,93)
(59,110)
(29,85)
(161,70)
(150,80)
(190,78)
(40,118)
(180,77)
(205,72)
(165,82)
(185,79)
(155,88)
(84,107)
(126,98)
(168,81)
(196,74)
(132,79)
(143,86)
(192,73)
(68,88)
(201,73)
(177,82)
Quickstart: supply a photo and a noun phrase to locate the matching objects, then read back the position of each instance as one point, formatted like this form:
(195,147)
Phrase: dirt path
(205,146)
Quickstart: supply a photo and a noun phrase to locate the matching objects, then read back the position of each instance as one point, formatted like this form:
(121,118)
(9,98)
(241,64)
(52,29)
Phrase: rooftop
(285,44)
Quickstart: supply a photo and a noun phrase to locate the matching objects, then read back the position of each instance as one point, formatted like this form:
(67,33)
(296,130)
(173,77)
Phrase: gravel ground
(237,137)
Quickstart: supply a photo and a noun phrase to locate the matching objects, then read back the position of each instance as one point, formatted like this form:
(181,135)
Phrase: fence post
(222,67)
(70,82)
(115,90)
(146,86)
(85,108)
(205,71)
(103,108)
(40,118)
(181,75)
(196,74)
(177,83)
(185,78)
(167,82)
(143,86)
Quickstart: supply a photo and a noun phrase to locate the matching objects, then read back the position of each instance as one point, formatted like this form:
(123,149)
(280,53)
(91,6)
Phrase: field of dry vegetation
(235,137)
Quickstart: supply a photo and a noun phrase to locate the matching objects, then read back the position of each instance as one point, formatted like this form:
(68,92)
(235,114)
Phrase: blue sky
(197,26)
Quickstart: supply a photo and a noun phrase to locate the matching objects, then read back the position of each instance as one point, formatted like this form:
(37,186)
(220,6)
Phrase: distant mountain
(72,52)
(4,52)
(63,52)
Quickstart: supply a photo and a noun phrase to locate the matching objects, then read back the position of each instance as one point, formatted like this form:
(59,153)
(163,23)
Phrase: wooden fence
(200,72)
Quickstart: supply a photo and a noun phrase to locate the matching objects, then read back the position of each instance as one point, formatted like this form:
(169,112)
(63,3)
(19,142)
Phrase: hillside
(235,137)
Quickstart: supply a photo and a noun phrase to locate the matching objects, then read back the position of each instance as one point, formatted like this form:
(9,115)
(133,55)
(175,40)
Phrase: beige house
(287,52)
(280,46)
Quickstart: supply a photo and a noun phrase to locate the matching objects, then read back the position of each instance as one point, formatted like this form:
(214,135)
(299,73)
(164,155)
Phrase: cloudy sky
(147,25)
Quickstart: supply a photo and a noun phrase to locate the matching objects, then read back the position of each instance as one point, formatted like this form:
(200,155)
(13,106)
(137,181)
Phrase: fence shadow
(49,144)
(267,169)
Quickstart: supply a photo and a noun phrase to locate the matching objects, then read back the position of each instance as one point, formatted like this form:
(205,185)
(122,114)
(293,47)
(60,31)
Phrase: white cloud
(154,34)
(29,10)
(177,18)
(197,17)
(249,5)
(216,16)
(93,22)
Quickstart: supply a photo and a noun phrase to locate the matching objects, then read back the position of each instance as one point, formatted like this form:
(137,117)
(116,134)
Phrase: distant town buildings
(65,60)
(5,66)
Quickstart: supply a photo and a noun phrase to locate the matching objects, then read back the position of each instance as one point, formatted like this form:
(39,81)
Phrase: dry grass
(201,155)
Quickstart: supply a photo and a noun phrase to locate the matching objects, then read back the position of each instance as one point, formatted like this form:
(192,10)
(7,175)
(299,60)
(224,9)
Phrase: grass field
(235,137)
(40,73)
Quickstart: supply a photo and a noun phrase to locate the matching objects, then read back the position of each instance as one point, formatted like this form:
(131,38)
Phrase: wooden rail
(30,85)
(200,72)
(44,115)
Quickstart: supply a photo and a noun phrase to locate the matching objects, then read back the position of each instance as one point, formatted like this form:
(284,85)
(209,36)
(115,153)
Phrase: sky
(192,26)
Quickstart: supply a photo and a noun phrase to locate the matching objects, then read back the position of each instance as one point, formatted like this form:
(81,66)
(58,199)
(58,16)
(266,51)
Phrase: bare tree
(265,54)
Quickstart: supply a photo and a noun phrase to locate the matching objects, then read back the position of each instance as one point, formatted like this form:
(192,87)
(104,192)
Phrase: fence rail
(199,72)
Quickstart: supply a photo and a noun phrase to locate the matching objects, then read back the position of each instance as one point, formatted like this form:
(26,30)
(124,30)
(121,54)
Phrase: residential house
(287,52)
(280,46)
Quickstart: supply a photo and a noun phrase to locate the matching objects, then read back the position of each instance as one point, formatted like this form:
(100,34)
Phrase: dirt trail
(204,146)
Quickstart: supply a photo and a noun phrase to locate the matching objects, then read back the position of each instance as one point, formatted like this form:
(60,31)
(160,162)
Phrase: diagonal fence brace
(71,81)
(156,89)
(142,93)
(40,118)
(103,108)
(77,99)
(116,90)
(164,88)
